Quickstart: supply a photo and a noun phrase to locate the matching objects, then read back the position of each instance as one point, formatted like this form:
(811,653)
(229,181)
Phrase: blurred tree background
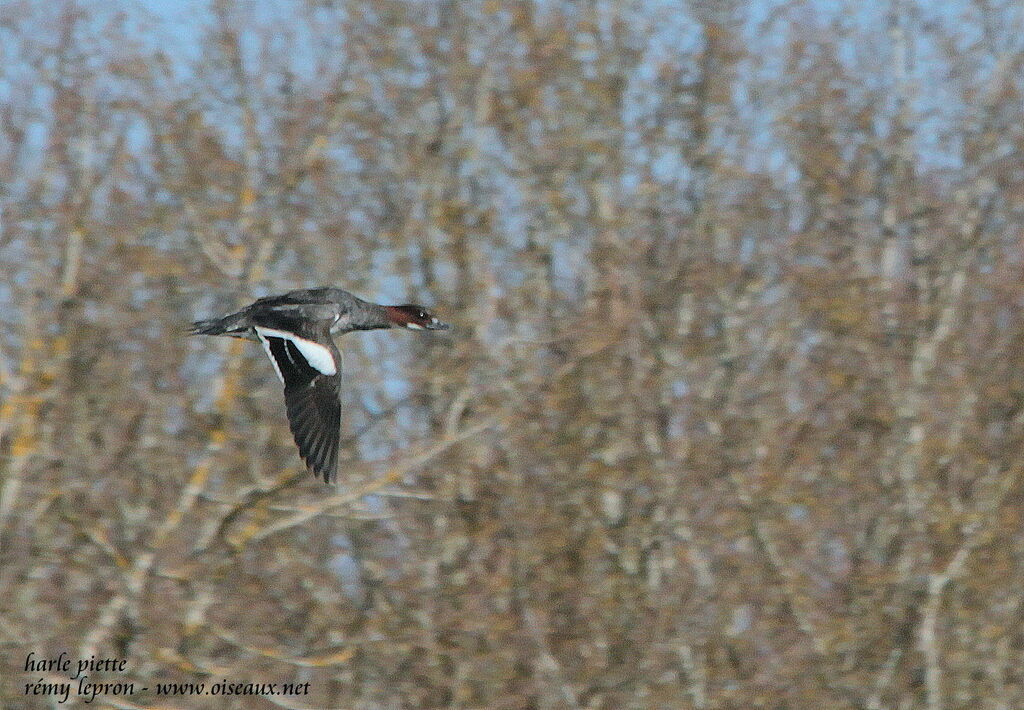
(732,416)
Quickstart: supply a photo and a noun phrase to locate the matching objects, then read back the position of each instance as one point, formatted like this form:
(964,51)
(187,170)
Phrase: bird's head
(414,317)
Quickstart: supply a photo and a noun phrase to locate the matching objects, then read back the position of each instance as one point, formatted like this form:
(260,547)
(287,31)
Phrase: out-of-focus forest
(732,416)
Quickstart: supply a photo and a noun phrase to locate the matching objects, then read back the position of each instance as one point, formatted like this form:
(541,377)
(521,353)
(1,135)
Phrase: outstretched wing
(310,369)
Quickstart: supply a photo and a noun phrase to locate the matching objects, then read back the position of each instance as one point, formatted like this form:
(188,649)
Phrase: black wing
(312,399)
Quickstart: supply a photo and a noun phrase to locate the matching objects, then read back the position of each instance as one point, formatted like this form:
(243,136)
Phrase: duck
(296,330)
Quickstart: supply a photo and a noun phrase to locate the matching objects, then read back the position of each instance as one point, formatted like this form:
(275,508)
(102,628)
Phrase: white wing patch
(266,346)
(318,356)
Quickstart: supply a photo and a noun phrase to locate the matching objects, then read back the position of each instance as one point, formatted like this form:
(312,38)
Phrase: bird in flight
(295,329)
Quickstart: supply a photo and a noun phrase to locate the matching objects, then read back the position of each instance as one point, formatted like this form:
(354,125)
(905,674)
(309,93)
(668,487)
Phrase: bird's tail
(217,326)
(211,326)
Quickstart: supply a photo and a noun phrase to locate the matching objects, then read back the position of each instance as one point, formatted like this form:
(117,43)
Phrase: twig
(698,675)
(884,680)
(328,659)
(548,661)
(254,497)
(135,579)
(392,476)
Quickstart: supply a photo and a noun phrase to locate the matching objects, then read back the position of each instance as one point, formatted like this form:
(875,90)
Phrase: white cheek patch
(318,356)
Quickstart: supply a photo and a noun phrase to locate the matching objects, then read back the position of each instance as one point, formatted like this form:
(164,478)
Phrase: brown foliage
(731,418)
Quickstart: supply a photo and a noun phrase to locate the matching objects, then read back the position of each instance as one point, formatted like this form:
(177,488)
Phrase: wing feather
(312,397)
(314,415)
